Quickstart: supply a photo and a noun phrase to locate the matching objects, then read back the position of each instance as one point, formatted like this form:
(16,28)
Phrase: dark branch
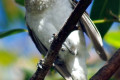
(59,39)
(109,69)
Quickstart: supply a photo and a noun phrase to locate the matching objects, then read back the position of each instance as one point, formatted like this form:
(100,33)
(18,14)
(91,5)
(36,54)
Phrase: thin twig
(59,39)
(105,21)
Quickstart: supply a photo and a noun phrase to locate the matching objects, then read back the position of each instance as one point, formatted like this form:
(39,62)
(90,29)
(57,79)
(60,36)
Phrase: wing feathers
(89,27)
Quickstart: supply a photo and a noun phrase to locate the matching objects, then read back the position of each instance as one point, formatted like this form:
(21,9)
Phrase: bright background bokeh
(18,54)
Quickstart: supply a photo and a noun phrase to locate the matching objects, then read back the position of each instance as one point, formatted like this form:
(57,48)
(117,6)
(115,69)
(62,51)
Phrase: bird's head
(37,5)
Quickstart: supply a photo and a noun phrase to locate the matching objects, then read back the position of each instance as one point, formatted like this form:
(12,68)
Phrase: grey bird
(45,18)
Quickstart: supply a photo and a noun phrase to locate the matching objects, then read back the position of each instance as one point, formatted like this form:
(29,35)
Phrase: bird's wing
(60,67)
(94,35)
(90,29)
(37,42)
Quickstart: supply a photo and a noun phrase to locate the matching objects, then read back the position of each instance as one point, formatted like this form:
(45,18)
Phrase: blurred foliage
(27,74)
(7,58)
(105,9)
(91,71)
(12,32)
(54,77)
(12,11)
(113,38)
(21,2)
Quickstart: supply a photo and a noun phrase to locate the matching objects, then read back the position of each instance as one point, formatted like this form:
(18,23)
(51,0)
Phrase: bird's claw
(40,64)
(51,40)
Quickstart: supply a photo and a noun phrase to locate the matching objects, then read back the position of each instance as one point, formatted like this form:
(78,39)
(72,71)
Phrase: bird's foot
(40,63)
(51,39)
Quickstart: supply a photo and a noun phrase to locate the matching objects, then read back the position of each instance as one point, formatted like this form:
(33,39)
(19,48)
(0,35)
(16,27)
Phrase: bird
(44,18)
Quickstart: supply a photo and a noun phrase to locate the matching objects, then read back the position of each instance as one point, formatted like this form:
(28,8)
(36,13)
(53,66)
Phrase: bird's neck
(40,5)
(37,5)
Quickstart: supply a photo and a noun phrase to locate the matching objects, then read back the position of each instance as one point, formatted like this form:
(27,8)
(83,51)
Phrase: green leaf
(21,2)
(11,32)
(104,9)
(113,38)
